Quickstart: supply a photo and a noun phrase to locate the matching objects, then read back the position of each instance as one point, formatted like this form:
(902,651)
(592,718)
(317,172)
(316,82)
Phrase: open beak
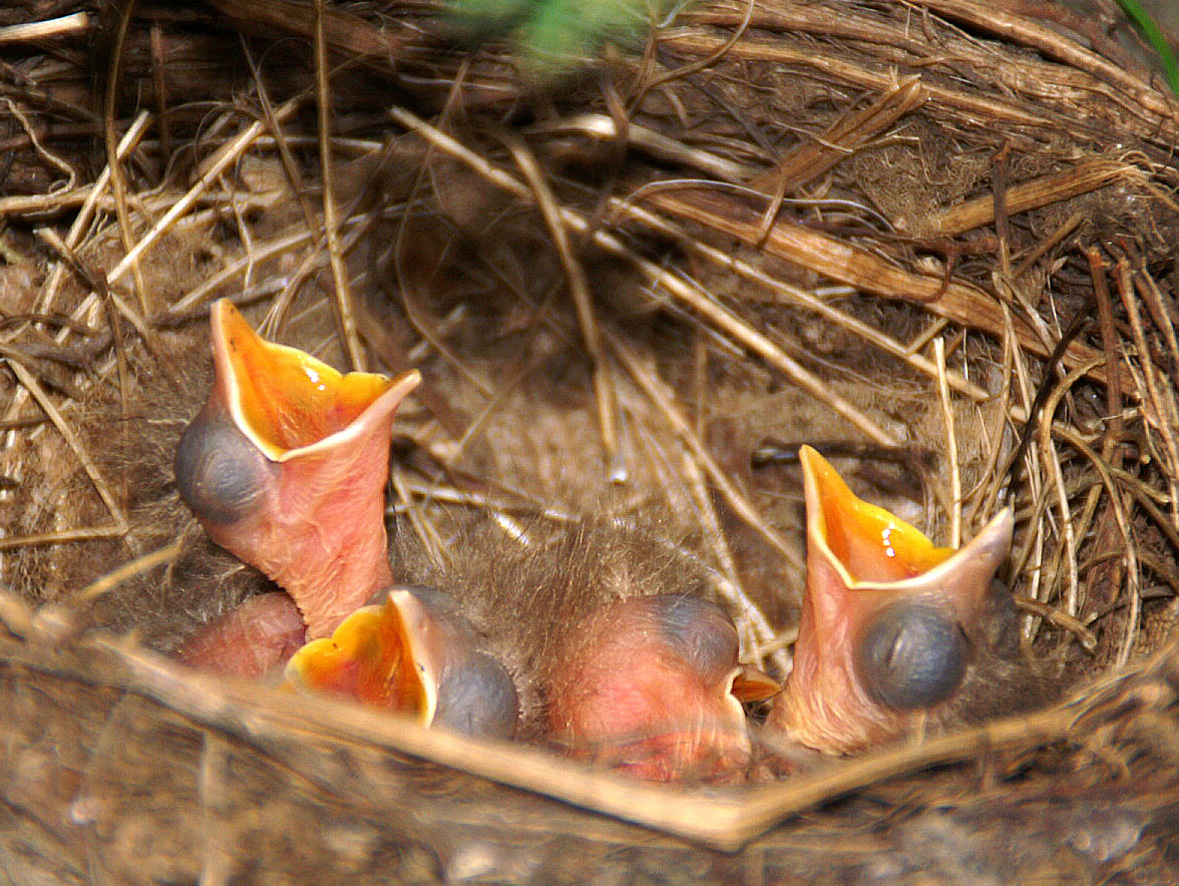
(286,466)
(652,686)
(411,654)
(886,622)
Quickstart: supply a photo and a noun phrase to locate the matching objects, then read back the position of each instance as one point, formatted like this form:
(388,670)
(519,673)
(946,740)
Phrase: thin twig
(66,430)
(135,567)
(342,291)
(939,350)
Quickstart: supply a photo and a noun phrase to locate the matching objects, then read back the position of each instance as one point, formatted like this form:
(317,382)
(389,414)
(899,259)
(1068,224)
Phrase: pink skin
(319,529)
(638,692)
(286,467)
(254,638)
(824,705)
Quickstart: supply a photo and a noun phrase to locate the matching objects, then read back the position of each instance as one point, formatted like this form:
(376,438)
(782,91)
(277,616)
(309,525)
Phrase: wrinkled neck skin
(321,533)
(823,705)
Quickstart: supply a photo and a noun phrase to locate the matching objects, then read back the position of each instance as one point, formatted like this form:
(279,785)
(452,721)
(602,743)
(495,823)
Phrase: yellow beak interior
(286,398)
(871,544)
(370,658)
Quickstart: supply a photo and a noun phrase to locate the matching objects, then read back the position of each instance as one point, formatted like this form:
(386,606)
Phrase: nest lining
(769,251)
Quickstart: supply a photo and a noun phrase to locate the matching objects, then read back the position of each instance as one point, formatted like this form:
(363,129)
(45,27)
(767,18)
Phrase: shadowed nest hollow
(935,239)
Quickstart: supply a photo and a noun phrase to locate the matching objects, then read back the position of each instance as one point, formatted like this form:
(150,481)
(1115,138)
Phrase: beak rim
(990,545)
(350,635)
(425,668)
(227,321)
(749,683)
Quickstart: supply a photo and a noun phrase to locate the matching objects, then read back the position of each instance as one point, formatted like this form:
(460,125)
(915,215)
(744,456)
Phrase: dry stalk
(342,291)
(62,26)
(118,182)
(809,161)
(1044,191)
(690,296)
(939,350)
(1133,573)
(723,820)
(137,566)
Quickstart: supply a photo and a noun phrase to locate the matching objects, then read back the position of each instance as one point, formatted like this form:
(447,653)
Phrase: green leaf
(1153,35)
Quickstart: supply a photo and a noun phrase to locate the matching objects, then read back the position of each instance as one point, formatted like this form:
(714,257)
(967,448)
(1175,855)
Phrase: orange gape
(282,398)
(370,657)
(870,543)
(416,655)
(882,637)
(286,468)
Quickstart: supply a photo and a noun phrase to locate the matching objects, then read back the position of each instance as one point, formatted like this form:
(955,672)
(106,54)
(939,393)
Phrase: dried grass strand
(1057,187)
(167,554)
(72,439)
(939,350)
(118,182)
(62,26)
(689,296)
(342,291)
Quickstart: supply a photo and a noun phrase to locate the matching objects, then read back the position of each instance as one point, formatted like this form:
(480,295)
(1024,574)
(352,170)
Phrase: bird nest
(934,239)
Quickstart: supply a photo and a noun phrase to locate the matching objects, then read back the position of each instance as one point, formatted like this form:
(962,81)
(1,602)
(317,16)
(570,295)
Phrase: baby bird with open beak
(897,635)
(412,651)
(286,466)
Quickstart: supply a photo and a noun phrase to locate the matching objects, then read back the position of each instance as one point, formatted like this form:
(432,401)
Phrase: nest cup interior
(942,255)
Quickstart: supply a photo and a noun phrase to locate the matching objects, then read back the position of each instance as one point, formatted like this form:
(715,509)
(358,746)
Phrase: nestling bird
(619,656)
(652,685)
(412,652)
(285,466)
(596,643)
(896,634)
